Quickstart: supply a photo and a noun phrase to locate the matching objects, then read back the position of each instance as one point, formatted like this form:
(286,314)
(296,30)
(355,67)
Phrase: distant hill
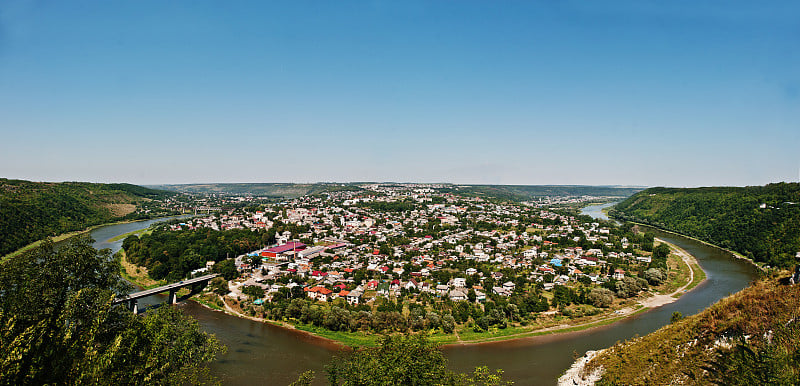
(31,211)
(529,192)
(503,192)
(760,222)
(752,337)
(273,190)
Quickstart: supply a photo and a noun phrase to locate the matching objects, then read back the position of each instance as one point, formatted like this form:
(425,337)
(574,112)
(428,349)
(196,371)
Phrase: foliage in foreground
(401,360)
(752,337)
(59,327)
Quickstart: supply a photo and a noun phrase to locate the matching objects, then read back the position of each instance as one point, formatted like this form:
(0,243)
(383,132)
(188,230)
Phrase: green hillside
(274,190)
(750,338)
(760,222)
(31,211)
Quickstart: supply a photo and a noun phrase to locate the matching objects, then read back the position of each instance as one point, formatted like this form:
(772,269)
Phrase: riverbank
(576,376)
(735,254)
(65,236)
(463,335)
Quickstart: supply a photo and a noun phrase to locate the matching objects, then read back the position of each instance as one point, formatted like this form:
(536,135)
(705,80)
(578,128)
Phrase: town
(392,257)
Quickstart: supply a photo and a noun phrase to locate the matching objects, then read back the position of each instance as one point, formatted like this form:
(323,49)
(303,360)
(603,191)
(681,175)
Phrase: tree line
(760,222)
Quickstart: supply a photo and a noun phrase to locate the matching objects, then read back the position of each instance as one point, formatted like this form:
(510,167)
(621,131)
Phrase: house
(471,271)
(509,286)
(501,291)
(458,294)
(354,297)
(619,274)
(459,282)
(320,293)
(480,297)
(442,289)
(412,284)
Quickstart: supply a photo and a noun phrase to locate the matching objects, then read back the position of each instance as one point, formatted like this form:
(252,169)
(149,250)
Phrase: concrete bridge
(196,285)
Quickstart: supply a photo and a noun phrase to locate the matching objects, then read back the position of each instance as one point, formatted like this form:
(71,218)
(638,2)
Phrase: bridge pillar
(173,296)
(134,307)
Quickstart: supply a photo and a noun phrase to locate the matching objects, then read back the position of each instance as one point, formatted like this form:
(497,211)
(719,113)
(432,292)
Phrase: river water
(263,354)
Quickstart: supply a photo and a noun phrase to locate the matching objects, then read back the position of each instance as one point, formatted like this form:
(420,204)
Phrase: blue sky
(679,93)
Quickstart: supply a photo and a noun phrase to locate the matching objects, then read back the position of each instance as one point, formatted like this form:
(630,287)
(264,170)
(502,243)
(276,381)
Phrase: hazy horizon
(517,93)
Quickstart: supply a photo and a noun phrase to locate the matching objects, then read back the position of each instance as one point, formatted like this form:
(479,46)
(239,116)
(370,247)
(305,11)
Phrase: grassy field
(137,275)
(125,235)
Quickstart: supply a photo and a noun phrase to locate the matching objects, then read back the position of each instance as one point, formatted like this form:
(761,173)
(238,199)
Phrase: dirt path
(659,300)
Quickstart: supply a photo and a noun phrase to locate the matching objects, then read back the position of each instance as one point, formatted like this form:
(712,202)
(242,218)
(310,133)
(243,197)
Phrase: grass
(352,339)
(699,276)
(55,239)
(125,235)
(208,302)
(137,275)
(678,274)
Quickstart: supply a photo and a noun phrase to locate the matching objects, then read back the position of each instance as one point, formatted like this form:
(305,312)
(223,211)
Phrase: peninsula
(351,264)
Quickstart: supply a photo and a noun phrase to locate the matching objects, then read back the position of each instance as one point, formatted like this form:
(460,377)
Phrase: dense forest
(171,255)
(760,222)
(31,211)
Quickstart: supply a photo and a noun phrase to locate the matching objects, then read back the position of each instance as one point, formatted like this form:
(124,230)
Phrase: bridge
(196,284)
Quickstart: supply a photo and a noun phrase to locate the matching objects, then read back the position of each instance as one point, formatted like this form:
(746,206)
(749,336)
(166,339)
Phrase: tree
(59,327)
(601,297)
(403,360)
(661,251)
(226,268)
(219,286)
(253,291)
(655,276)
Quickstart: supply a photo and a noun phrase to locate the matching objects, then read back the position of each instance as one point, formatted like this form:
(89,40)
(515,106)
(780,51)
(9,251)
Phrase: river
(267,355)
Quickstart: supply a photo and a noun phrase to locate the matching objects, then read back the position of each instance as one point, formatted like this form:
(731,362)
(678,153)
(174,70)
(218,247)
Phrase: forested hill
(760,222)
(31,211)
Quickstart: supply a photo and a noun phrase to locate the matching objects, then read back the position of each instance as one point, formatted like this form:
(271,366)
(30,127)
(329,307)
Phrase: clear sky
(656,93)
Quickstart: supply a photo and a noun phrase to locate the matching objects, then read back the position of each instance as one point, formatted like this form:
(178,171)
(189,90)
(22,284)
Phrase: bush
(655,276)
